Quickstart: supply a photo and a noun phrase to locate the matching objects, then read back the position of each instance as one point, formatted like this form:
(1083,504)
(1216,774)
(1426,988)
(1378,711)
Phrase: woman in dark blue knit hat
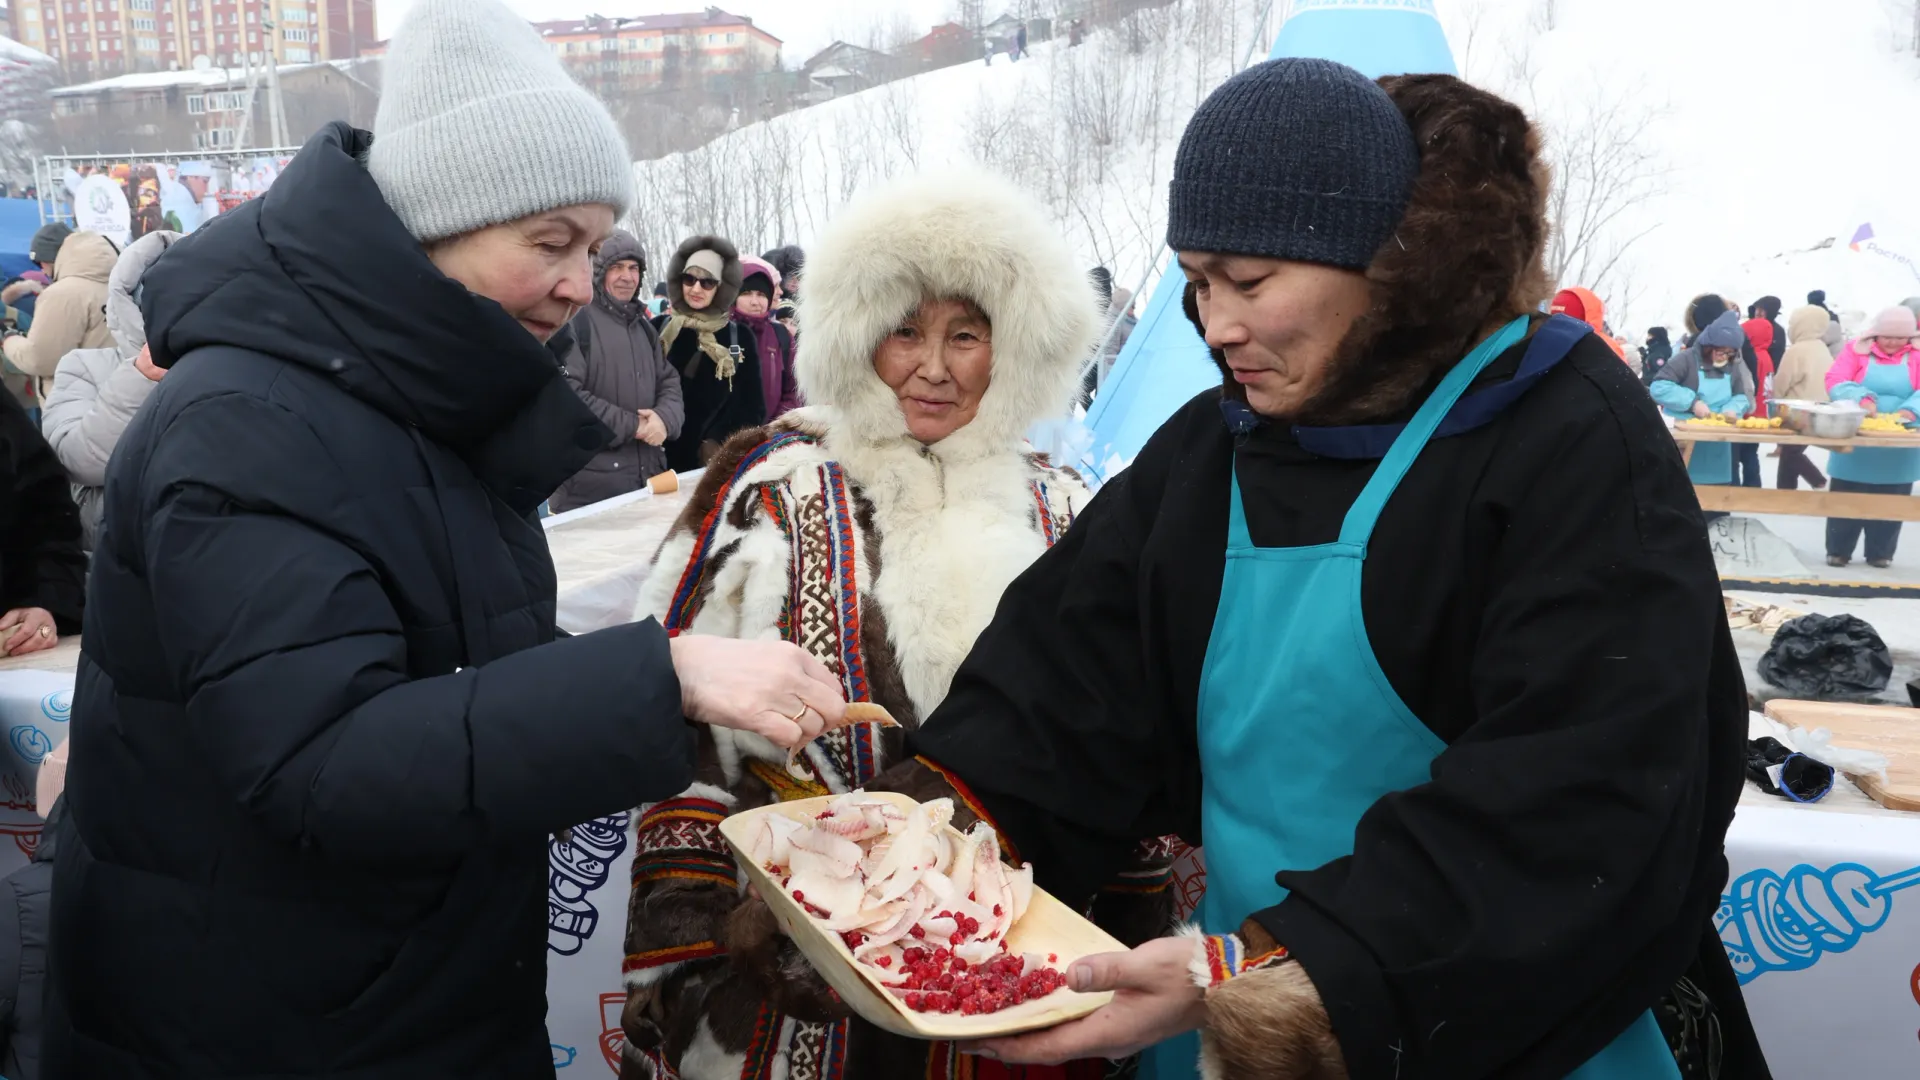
(1371,621)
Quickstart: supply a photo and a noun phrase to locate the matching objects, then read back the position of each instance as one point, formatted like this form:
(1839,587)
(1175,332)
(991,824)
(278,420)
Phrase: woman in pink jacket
(1881,371)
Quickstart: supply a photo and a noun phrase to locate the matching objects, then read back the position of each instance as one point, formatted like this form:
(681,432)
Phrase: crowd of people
(1734,368)
(324,721)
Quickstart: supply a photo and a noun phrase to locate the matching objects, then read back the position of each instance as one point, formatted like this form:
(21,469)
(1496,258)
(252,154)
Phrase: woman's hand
(28,630)
(1154,999)
(1905,416)
(1702,410)
(771,688)
(1872,406)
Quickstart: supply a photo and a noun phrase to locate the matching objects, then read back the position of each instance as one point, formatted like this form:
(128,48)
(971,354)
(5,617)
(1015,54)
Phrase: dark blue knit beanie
(1295,159)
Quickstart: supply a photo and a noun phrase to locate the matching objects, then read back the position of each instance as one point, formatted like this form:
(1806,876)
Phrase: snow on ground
(1090,130)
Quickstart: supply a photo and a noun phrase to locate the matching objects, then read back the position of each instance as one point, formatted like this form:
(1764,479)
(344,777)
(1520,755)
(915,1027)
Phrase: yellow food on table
(1885,425)
(1758,423)
(1715,421)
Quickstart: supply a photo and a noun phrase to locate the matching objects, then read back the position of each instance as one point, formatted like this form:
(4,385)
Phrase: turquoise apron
(1712,462)
(1291,689)
(1890,384)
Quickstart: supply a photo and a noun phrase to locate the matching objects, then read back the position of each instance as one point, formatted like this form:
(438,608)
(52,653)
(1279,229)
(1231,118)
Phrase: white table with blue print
(36,694)
(1821,916)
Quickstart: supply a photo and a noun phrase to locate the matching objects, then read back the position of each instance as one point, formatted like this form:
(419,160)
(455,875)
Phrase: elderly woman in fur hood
(877,526)
(1372,620)
(715,354)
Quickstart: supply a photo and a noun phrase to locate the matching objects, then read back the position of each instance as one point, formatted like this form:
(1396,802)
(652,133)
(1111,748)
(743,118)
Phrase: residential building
(609,54)
(184,111)
(101,38)
(841,69)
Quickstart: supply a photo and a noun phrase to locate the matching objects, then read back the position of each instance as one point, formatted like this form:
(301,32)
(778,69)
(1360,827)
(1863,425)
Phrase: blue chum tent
(19,220)
(1164,363)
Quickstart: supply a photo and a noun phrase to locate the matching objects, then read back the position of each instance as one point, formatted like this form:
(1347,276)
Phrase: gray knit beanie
(479,124)
(1295,159)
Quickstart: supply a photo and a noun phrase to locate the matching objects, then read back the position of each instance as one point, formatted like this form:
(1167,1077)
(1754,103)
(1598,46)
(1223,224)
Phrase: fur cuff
(1219,957)
(1269,1024)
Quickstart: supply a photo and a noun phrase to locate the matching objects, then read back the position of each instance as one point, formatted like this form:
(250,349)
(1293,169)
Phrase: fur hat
(729,289)
(479,124)
(1469,252)
(960,235)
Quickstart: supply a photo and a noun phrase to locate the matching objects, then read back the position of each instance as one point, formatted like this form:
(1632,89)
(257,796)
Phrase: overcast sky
(804,25)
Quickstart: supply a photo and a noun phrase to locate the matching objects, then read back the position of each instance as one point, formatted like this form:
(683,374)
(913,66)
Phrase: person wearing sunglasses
(717,358)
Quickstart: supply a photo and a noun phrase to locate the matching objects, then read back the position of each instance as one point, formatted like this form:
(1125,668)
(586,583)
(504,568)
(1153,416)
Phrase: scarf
(773,361)
(706,326)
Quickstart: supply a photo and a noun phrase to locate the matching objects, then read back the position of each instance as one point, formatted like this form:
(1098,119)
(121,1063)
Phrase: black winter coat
(1565,861)
(322,726)
(716,408)
(41,562)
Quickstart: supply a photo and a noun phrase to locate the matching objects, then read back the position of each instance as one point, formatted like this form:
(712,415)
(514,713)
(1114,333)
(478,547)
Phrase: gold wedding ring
(46,631)
(803,711)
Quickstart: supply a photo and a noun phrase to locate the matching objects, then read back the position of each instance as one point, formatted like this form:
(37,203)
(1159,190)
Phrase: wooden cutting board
(1884,729)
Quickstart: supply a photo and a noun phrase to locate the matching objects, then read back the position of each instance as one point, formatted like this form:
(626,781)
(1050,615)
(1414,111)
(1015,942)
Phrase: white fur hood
(963,234)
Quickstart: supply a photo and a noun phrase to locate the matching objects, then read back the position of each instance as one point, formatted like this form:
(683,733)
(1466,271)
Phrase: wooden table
(1732,498)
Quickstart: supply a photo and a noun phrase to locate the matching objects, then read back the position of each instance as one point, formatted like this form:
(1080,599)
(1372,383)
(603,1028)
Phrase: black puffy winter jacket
(322,725)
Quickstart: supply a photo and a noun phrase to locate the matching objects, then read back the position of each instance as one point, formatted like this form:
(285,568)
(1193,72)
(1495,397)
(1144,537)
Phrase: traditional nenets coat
(835,529)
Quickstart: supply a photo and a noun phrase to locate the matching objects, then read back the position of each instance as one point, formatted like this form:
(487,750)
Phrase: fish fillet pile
(925,913)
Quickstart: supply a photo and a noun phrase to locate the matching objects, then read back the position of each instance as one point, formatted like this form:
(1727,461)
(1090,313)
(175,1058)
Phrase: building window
(293,33)
(196,104)
(33,33)
(31,13)
(297,55)
(220,39)
(140,5)
(212,139)
(253,37)
(141,22)
(250,17)
(710,38)
(193,25)
(731,38)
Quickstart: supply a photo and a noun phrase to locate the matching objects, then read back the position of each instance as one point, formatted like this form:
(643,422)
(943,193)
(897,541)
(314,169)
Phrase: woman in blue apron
(1878,371)
(1708,379)
(1373,622)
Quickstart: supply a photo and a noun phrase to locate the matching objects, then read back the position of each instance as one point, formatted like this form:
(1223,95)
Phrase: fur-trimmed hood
(1468,256)
(962,234)
(730,278)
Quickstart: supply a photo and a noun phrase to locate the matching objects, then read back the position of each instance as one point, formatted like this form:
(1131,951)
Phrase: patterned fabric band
(680,838)
(677,954)
(1226,958)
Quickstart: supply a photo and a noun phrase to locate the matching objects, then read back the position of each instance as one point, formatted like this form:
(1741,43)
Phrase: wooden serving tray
(1886,729)
(1048,928)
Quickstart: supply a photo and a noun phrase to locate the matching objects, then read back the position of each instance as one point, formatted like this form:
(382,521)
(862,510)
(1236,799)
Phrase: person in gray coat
(617,367)
(96,391)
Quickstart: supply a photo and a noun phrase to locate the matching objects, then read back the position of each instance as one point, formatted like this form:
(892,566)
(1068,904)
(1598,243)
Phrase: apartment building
(639,51)
(93,39)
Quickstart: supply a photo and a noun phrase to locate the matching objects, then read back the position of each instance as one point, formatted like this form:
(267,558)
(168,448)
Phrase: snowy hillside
(1091,129)
(1700,144)
(1770,127)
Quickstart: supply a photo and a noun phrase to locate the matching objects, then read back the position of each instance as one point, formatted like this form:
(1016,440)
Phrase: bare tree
(1604,170)
(900,120)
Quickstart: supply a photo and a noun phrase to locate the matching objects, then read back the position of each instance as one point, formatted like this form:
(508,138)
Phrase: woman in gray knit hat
(324,724)
(1373,620)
